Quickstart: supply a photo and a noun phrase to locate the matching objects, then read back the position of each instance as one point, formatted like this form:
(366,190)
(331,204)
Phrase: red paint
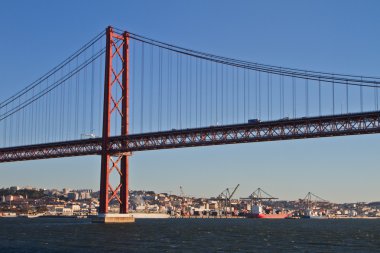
(270,216)
(115,106)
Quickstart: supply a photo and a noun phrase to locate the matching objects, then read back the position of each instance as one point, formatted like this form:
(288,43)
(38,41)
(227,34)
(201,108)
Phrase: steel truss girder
(317,127)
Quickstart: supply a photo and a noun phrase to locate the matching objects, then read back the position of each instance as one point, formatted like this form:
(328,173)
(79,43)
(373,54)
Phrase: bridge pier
(113,218)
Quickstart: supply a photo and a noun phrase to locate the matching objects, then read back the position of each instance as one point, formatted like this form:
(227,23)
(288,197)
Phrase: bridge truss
(303,128)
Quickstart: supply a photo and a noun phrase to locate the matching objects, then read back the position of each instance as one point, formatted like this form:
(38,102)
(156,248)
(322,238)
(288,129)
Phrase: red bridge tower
(115,106)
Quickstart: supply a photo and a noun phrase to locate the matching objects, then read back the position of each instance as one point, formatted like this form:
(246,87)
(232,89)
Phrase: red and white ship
(258,211)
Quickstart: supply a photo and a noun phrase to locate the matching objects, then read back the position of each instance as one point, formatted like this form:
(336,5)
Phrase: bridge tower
(116,104)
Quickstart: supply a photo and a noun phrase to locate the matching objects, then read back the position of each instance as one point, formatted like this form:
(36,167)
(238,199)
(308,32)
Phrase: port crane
(226,196)
(308,200)
(259,195)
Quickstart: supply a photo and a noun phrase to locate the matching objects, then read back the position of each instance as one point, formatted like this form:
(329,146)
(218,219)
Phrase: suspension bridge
(122,92)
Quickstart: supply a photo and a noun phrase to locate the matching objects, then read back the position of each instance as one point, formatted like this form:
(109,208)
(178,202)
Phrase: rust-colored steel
(104,172)
(315,127)
(125,126)
(115,106)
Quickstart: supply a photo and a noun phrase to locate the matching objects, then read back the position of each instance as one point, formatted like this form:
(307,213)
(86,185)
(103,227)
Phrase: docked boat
(257,209)
(311,211)
(309,214)
(259,212)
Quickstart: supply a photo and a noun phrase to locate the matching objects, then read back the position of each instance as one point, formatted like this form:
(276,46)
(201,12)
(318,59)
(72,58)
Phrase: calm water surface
(189,235)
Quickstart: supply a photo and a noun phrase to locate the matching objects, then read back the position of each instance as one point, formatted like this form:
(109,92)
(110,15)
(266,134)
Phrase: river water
(189,235)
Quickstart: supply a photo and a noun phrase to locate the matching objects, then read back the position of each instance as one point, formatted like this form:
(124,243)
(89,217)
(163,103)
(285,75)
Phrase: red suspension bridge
(134,93)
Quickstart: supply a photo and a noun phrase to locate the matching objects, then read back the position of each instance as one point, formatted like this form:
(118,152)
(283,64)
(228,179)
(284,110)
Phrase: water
(189,235)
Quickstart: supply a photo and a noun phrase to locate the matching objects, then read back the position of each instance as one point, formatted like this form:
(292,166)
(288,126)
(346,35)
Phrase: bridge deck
(312,127)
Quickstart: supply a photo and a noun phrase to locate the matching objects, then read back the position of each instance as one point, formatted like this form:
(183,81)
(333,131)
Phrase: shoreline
(164,216)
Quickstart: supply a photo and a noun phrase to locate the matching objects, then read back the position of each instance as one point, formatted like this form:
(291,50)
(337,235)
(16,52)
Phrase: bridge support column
(115,106)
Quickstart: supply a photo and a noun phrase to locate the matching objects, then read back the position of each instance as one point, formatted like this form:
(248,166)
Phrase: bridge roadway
(285,129)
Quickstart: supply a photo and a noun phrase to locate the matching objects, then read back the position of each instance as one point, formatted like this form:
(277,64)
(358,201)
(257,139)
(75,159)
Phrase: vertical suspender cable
(333,96)
(294,97)
(133,87)
(271,97)
(187,92)
(222,90)
(200,93)
(84,105)
(237,95)
(181,83)
(283,96)
(69,105)
(151,89)
(256,95)
(5,121)
(228,96)
(101,84)
(211,93)
(92,94)
(244,95)
(160,91)
(180,91)
(376,98)
(177,91)
(233,95)
(76,101)
(319,97)
(307,95)
(346,97)
(190,86)
(259,95)
(280,84)
(196,92)
(249,94)
(216,93)
(206,93)
(361,95)
(170,88)
(142,89)
(268,90)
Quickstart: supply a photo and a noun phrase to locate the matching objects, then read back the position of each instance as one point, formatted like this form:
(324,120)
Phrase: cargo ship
(258,211)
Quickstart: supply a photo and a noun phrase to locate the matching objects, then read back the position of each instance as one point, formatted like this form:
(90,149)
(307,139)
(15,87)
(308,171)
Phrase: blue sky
(333,36)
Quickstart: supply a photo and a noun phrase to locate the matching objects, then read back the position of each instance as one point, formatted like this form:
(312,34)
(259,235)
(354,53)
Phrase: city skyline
(342,169)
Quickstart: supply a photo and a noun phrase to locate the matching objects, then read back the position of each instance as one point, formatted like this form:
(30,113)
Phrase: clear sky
(333,36)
